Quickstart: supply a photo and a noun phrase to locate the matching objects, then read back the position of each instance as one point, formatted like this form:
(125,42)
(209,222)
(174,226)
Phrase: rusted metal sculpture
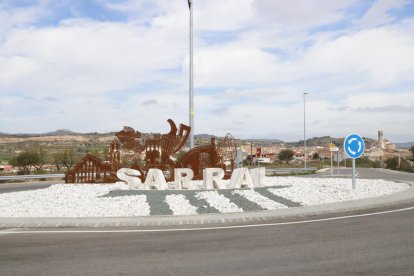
(200,158)
(92,170)
(211,156)
(227,149)
(159,150)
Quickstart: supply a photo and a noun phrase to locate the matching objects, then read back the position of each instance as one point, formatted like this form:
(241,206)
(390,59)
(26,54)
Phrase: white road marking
(10,231)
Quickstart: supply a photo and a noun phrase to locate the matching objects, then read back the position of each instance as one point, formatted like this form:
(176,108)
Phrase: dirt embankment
(53,138)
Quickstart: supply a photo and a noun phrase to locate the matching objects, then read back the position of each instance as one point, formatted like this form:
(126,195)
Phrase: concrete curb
(400,198)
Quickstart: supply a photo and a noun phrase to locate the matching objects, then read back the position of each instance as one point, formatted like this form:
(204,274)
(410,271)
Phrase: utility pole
(251,152)
(191,109)
(304,125)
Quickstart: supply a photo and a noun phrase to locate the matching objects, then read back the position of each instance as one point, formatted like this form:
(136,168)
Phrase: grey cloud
(220,111)
(150,102)
(341,108)
(382,109)
(389,109)
(50,99)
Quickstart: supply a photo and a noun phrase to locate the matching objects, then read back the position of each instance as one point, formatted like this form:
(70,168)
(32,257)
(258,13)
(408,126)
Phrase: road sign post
(339,158)
(354,147)
(332,148)
(331,164)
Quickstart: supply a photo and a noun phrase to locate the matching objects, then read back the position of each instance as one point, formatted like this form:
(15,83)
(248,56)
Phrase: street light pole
(304,125)
(191,109)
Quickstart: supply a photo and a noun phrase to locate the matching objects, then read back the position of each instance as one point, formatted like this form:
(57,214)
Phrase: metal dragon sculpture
(159,150)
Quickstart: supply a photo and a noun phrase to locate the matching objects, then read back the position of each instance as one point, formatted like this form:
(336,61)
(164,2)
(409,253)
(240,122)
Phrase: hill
(204,136)
(326,140)
(404,145)
(59,132)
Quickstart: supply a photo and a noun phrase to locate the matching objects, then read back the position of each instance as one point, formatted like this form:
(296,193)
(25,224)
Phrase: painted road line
(9,231)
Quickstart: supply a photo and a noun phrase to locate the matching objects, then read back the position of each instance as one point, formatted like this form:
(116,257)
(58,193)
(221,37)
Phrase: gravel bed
(180,205)
(244,203)
(218,201)
(282,200)
(117,200)
(259,199)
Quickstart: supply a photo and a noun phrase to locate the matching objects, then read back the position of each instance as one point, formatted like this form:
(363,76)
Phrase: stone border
(399,198)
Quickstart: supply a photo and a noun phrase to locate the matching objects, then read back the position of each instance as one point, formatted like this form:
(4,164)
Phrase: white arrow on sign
(351,151)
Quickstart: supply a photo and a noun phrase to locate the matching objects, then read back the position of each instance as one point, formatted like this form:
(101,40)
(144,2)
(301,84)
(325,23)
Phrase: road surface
(380,244)
(372,245)
(27,186)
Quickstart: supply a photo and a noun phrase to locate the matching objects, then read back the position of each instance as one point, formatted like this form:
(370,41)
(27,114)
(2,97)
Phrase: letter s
(130,176)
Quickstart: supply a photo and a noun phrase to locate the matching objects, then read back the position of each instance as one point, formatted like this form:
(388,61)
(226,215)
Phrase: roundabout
(368,236)
(114,205)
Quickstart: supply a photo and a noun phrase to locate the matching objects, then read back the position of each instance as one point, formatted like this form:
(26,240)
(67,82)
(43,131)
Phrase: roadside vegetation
(57,156)
(400,165)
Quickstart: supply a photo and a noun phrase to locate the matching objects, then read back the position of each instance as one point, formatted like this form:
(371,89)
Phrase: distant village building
(381,143)
(384,150)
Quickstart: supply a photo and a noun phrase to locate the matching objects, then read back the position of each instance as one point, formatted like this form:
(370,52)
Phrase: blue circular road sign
(354,146)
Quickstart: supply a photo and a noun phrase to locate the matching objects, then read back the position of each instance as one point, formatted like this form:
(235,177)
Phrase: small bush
(286,155)
(392,164)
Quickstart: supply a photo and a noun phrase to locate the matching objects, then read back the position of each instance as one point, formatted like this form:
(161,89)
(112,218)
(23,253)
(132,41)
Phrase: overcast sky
(97,65)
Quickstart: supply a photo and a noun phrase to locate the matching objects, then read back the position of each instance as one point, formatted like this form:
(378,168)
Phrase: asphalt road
(367,173)
(372,245)
(27,186)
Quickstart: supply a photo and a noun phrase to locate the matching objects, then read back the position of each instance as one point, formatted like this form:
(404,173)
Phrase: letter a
(155,180)
(241,179)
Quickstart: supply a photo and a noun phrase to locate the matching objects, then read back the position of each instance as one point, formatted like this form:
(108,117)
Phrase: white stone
(241,179)
(212,178)
(259,199)
(218,201)
(258,176)
(85,200)
(180,205)
(72,200)
(155,180)
(183,179)
(130,176)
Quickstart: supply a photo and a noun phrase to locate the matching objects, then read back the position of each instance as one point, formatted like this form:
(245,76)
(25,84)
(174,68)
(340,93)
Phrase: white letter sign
(241,179)
(183,179)
(211,178)
(258,176)
(155,180)
(130,177)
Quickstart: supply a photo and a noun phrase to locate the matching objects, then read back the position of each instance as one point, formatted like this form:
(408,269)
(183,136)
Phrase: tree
(315,155)
(69,158)
(98,153)
(285,155)
(66,158)
(412,150)
(25,161)
(41,159)
(57,159)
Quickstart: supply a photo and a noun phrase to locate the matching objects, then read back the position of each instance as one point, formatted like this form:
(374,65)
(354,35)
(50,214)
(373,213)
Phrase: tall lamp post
(304,125)
(191,109)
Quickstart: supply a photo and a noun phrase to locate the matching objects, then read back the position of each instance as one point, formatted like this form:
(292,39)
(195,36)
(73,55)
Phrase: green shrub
(392,163)
(286,155)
